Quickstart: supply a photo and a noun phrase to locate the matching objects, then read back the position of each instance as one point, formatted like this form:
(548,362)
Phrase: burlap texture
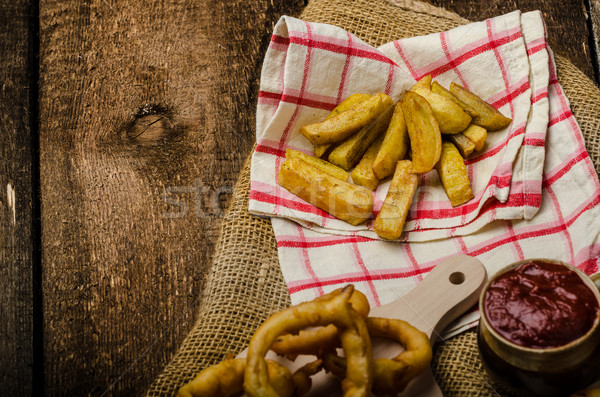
(245,284)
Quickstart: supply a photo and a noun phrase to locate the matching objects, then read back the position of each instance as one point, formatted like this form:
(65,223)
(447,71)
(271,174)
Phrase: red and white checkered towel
(536,191)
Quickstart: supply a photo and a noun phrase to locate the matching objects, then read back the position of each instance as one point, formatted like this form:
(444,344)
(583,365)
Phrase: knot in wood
(150,129)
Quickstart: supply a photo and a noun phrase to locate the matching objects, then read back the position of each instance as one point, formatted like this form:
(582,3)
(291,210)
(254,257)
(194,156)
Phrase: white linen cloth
(536,191)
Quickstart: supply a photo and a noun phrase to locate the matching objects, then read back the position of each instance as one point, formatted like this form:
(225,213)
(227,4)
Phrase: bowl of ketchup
(539,332)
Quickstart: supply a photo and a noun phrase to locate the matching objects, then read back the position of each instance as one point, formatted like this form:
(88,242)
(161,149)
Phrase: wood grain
(146,113)
(16,241)
(568,33)
(593,15)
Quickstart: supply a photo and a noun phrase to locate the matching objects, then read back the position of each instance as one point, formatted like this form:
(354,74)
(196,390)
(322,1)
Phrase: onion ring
(301,377)
(317,341)
(391,376)
(334,363)
(226,379)
(333,308)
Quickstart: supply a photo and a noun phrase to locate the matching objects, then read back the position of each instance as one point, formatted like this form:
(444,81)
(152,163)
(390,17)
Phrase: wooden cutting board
(449,290)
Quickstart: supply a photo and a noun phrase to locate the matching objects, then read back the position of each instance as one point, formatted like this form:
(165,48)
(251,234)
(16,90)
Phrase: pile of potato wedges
(369,138)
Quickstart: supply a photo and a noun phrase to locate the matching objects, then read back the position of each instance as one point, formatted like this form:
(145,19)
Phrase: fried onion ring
(333,308)
(301,377)
(335,364)
(391,376)
(227,377)
(317,341)
(224,379)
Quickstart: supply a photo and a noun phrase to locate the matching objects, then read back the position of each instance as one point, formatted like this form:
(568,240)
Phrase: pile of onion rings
(338,320)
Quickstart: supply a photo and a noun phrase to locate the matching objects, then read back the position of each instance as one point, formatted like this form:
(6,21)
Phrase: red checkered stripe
(507,240)
(533,153)
(525,193)
(497,182)
(500,180)
(566,229)
(273,199)
(562,117)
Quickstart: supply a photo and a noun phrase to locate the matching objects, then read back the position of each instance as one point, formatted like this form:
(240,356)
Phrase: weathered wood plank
(568,33)
(593,10)
(146,113)
(16,241)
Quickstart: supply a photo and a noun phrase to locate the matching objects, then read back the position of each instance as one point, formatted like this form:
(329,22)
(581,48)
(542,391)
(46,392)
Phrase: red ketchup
(540,305)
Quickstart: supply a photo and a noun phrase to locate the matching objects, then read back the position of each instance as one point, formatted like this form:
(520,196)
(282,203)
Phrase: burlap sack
(245,284)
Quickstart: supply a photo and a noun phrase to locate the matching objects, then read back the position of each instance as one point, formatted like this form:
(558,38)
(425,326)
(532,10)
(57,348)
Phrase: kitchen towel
(536,191)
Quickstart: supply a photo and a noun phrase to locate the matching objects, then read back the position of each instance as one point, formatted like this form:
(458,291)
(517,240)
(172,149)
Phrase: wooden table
(123,127)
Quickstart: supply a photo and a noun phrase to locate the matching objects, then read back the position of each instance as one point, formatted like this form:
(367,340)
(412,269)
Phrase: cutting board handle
(449,290)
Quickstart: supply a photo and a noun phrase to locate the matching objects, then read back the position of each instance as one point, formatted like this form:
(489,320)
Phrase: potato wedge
(320,150)
(346,104)
(424,132)
(464,145)
(451,118)
(345,201)
(425,81)
(484,114)
(363,174)
(441,90)
(477,135)
(348,153)
(390,220)
(454,176)
(394,145)
(321,164)
(344,124)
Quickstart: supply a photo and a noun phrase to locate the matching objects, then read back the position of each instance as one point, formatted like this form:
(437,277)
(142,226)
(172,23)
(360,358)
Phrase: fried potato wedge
(320,150)
(451,118)
(345,201)
(464,145)
(441,90)
(363,174)
(454,176)
(390,220)
(394,146)
(425,81)
(484,114)
(477,135)
(346,104)
(316,162)
(348,153)
(424,132)
(344,124)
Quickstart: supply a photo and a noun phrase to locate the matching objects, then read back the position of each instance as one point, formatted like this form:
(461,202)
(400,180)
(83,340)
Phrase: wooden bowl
(543,371)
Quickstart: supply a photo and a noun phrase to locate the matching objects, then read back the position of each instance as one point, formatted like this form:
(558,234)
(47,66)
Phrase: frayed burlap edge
(426,8)
(245,283)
